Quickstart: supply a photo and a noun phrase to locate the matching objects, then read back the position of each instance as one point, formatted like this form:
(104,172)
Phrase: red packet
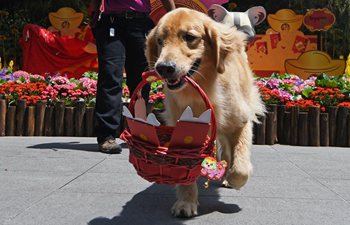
(140,108)
(251,43)
(300,44)
(144,131)
(261,47)
(275,38)
(189,134)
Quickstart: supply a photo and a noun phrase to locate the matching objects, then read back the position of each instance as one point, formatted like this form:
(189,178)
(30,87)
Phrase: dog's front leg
(187,201)
(237,151)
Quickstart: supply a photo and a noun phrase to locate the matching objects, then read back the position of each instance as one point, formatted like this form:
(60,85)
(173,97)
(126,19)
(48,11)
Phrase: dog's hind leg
(187,201)
(236,151)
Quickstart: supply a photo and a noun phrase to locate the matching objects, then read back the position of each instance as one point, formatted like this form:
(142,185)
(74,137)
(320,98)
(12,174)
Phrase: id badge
(111,32)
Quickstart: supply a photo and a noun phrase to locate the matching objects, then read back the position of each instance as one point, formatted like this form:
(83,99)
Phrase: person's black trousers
(120,43)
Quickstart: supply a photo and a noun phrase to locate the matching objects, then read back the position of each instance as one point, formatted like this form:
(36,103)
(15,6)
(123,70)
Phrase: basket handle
(150,76)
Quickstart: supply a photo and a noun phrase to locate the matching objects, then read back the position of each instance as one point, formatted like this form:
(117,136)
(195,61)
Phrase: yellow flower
(11,64)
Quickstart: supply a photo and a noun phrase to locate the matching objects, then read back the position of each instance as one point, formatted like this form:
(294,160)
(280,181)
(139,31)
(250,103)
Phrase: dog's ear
(232,40)
(151,50)
(214,42)
(224,40)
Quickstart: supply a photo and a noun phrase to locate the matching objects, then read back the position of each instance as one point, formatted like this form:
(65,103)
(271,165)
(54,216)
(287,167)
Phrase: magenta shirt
(117,6)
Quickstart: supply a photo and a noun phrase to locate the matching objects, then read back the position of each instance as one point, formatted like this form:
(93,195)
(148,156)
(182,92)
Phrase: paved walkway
(65,181)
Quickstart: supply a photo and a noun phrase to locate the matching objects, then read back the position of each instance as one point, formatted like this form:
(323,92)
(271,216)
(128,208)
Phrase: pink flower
(37,77)
(20,73)
(88,83)
(273,83)
(60,80)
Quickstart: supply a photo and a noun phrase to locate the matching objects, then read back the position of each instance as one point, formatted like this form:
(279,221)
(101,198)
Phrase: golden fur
(183,36)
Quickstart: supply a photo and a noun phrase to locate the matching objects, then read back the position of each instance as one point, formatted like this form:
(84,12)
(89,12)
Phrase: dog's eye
(159,41)
(189,37)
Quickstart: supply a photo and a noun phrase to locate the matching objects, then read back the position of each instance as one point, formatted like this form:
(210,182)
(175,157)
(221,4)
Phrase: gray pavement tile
(20,190)
(323,168)
(267,187)
(275,168)
(263,148)
(341,187)
(323,162)
(312,150)
(98,209)
(267,156)
(114,165)
(48,164)
(283,187)
(107,183)
(65,180)
(144,209)
(263,211)
(49,146)
(57,147)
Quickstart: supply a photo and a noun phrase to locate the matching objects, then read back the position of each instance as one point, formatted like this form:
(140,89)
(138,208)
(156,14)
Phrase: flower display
(304,104)
(344,104)
(31,92)
(327,96)
(274,96)
(21,85)
(282,89)
(290,90)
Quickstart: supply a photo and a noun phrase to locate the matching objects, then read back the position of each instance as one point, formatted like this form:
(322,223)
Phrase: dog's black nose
(166,69)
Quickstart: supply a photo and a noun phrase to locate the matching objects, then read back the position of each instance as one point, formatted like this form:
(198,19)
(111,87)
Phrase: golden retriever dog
(186,42)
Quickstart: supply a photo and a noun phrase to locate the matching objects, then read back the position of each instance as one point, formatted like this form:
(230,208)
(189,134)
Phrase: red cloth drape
(45,51)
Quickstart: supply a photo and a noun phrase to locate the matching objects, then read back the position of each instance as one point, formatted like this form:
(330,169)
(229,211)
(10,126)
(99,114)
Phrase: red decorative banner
(261,47)
(275,38)
(319,19)
(300,44)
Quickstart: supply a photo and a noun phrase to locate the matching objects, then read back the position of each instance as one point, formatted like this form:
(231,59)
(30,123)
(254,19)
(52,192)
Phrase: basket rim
(150,76)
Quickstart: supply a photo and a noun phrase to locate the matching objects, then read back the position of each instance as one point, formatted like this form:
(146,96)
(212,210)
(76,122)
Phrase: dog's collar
(194,67)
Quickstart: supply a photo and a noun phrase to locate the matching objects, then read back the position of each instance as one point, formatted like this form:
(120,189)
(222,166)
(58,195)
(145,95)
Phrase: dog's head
(188,42)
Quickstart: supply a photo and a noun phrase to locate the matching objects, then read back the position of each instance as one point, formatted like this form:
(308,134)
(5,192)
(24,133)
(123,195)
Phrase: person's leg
(111,59)
(136,62)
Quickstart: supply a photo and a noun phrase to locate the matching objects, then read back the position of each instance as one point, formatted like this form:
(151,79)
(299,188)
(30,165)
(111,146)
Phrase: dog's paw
(184,209)
(225,184)
(238,176)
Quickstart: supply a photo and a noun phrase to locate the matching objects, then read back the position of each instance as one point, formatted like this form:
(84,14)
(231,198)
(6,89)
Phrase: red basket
(165,165)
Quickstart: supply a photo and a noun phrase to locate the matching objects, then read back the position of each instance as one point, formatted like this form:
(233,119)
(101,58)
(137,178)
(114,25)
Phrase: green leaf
(306,92)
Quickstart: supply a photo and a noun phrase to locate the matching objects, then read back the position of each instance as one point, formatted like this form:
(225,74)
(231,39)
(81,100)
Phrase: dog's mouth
(175,84)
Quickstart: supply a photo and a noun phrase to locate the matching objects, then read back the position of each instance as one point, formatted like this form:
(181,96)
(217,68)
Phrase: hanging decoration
(319,19)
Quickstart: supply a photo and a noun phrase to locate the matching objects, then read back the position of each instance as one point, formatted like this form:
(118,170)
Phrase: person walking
(120,28)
